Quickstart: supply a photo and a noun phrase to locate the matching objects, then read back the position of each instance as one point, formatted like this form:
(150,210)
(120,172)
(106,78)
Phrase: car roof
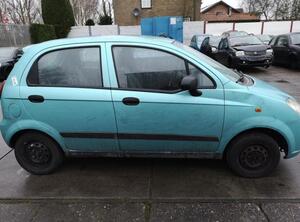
(100,39)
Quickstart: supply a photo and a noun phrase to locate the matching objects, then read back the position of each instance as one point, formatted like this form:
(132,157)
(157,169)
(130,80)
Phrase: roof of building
(207,8)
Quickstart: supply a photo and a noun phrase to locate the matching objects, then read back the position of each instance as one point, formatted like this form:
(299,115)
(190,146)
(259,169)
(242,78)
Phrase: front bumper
(252,61)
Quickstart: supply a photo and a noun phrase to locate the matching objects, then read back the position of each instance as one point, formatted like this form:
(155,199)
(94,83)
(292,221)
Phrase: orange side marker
(258,110)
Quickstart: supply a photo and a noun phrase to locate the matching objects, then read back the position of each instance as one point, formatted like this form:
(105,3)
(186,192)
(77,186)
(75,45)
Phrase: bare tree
(2,11)
(274,9)
(295,12)
(263,8)
(84,10)
(22,11)
(282,9)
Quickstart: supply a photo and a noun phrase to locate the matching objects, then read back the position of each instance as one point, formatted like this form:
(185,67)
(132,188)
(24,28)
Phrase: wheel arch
(17,135)
(277,136)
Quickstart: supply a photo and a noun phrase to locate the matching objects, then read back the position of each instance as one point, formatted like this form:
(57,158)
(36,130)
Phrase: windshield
(6,52)
(222,69)
(245,40)
(214,41)
(237,33)
(264,38)
(295,38)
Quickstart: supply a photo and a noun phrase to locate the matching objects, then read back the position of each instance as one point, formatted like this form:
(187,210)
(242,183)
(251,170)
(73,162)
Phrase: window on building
(146,4)
(219,13)
(229,11)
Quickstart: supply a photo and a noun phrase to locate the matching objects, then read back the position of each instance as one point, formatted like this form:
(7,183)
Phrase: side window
(149,69)
(76,67)
(223,44)
(204,82)
(193,39)
(226,44)
(282,41)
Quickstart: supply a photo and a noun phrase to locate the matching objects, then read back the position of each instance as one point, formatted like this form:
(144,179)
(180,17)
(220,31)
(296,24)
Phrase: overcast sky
(233,3)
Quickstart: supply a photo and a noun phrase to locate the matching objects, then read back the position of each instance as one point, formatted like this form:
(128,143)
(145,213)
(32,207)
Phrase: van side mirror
(190,83)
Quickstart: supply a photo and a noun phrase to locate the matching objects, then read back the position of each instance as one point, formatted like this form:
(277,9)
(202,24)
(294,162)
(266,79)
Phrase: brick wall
(219,13)
(123,10)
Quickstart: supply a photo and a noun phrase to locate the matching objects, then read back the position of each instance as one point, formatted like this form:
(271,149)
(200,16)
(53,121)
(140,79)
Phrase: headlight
(294,105)
(240,53)
(269,51)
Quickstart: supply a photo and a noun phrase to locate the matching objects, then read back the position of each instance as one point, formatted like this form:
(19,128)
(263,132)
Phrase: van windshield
(230,74)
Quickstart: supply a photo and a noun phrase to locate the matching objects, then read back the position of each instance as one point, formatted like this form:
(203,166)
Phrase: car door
(281,50)
(153,114)
(67,89)
(222,54)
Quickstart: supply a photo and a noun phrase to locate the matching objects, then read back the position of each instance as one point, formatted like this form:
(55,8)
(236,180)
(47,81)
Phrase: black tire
(253,155)
(37,153)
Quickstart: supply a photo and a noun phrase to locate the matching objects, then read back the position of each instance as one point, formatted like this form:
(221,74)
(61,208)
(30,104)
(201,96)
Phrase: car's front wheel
(253,155)
(38,153)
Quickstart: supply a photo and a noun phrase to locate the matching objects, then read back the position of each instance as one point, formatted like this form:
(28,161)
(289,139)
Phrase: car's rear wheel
(38,153)
(253,155)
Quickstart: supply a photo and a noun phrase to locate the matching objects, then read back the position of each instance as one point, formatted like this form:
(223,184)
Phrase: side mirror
(190,83)
(285,44)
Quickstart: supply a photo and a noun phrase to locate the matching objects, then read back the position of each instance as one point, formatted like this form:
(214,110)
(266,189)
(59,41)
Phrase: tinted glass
(78,67)
(203,80)
(282,41)
(150,69)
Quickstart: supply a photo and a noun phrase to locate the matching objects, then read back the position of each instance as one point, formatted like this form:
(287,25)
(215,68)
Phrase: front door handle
(36,99)
(131,101)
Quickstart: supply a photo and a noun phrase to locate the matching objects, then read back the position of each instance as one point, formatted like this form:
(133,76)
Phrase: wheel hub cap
(38,153)
(254,157)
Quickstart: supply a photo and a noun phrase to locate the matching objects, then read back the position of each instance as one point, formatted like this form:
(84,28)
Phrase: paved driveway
(153,189)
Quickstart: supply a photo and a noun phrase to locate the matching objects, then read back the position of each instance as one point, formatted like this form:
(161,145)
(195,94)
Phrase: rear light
(1,87)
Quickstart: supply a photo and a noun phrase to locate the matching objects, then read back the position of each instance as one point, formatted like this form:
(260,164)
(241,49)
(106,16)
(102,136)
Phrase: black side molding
(128,136)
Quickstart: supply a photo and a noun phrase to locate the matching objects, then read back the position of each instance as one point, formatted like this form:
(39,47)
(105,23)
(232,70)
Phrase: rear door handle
(131,101)
(36,99)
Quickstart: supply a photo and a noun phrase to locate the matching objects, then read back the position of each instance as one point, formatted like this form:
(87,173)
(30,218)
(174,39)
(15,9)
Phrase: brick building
(130,12)
(222,12)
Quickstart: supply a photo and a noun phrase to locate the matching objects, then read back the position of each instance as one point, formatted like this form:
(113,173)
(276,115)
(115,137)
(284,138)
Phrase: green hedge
(61,31)
(40,33)
(58,12)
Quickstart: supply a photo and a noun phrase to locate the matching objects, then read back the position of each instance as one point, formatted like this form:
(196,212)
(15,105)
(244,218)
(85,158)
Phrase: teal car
(120,96)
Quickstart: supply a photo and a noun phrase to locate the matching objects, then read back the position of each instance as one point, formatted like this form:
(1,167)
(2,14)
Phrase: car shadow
(132,178)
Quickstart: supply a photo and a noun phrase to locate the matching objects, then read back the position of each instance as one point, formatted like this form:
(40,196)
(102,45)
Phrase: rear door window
(73,67)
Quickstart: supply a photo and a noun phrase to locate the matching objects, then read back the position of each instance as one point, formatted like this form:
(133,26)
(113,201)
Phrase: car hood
(251,48)
(262,88)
